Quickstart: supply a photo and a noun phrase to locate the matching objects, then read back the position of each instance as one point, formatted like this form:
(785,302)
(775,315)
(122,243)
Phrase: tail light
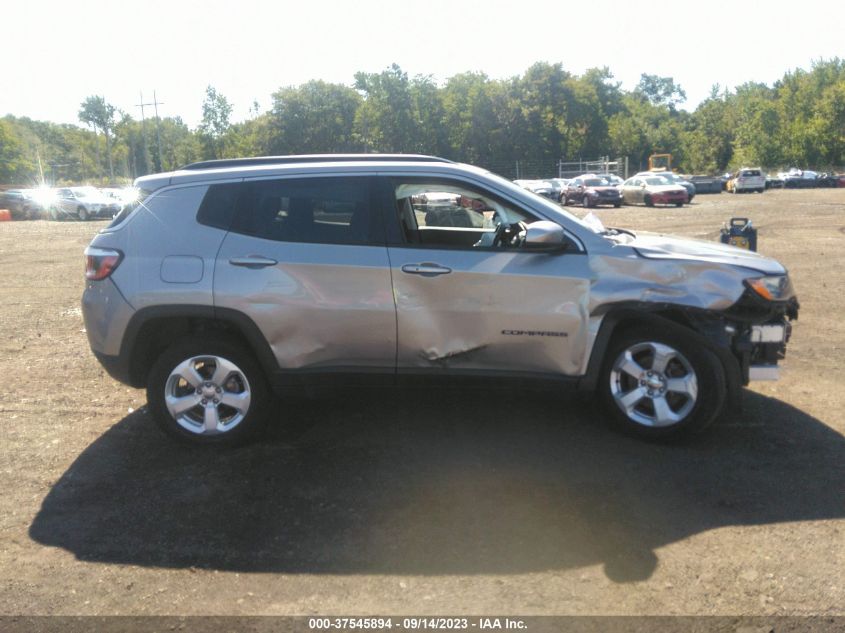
(101,262)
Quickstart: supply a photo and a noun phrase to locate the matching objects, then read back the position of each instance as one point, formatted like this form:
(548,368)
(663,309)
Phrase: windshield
(657,180)
(596,182)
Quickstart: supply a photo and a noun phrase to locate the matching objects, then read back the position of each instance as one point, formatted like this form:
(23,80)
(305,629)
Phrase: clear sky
(55,53)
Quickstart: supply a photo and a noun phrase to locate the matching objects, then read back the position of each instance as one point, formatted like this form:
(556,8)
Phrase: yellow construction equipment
(660,162)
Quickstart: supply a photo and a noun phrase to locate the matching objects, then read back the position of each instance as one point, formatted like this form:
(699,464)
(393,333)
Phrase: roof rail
(312,158)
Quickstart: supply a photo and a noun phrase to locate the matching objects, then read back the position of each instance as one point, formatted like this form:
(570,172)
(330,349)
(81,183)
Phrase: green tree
(385,119)
(94,111)
(13,165)
(314,118)
(216,111)
(661,90)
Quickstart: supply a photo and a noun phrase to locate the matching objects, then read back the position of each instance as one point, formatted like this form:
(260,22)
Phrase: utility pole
(155,103)
(108,142)
(144,133)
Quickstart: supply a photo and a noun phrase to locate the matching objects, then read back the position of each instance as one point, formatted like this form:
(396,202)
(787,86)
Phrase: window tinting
(218,205)
(316,210)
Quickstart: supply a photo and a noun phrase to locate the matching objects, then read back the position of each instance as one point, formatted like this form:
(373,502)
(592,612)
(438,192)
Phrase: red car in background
(590,191)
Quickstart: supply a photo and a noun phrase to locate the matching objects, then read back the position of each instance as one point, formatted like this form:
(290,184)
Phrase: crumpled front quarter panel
(694,284)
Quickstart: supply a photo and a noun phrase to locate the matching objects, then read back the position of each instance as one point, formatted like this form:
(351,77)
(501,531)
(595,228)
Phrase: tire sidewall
(709,373)
(256,417)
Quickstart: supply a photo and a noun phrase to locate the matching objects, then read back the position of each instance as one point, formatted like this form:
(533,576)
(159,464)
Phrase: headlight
(774,288)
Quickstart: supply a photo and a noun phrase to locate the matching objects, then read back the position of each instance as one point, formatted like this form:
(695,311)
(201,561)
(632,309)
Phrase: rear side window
(315,210)
(129,207)
(218,205)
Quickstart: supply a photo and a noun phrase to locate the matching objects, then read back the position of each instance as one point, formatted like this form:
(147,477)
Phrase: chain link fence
(519,169)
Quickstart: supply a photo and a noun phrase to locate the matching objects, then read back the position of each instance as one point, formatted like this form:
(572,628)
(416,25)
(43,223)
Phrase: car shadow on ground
(425,483)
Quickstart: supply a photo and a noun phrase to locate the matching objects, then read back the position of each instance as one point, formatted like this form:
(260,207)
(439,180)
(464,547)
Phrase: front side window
(314,210)
(446,214)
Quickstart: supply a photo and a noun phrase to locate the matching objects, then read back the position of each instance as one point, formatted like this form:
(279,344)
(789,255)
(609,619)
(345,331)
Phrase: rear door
(465,304)
(306,260)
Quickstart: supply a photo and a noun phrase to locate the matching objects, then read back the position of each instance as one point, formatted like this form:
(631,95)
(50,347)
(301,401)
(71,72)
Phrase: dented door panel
(320,305)
(494,310)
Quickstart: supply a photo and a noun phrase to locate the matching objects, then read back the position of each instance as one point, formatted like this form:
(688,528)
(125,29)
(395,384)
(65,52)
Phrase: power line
(155,103)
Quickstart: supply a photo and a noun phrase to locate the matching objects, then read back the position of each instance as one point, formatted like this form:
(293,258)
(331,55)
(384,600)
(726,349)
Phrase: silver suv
(229,281)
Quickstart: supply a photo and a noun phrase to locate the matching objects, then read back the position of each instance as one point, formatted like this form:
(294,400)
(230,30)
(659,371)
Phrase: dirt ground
(424,503)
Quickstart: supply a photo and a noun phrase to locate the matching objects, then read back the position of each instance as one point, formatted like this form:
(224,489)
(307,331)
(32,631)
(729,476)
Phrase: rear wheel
(585,201)
(83,214)
(208,392)
(679,204)
(617,204)
(657,384)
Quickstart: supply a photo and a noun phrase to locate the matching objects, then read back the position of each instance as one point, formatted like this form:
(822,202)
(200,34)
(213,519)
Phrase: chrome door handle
(253,261)
(426,269)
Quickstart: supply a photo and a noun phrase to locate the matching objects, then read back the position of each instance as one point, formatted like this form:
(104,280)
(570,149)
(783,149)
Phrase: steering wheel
(501,233)
(508,234)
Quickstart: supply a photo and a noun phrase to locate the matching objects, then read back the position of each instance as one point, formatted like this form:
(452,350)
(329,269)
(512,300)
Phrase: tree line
(542,116)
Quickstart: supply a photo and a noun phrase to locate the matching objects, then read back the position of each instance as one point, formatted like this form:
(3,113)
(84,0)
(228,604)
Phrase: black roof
(312,158)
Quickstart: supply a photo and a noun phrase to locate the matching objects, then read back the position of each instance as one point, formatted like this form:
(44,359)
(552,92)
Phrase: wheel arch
(661,317)
(153,329)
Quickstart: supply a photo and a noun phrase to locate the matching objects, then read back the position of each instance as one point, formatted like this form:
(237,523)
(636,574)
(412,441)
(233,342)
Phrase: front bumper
(670,198)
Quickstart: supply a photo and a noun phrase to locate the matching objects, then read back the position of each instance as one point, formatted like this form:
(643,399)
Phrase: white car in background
(748,179)
(83,203)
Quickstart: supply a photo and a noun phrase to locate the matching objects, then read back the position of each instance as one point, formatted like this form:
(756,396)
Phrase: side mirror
(544,236)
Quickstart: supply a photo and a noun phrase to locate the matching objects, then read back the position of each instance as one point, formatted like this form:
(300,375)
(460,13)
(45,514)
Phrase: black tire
(694,413)
(585,202)
(83,214)
(249,379)
(679,204)
(617,204)
(648,201)
(564,200)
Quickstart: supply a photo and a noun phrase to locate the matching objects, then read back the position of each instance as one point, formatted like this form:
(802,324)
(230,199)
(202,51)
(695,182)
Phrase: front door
(470,297)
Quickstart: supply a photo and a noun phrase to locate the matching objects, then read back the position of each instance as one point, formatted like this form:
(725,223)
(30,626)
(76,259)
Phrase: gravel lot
(413,502)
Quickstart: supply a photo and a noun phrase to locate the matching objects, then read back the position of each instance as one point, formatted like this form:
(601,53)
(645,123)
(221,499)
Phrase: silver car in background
(83,203)
(229,280)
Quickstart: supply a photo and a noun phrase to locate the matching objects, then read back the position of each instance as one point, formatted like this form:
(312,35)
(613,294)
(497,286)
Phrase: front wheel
(648,201)
(585,201)
(679,204)
(83,214)
(208,392)
(656,384)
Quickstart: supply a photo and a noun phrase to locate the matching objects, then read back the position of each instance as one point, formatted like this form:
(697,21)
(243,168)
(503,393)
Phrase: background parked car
(15,201)
(83,203)
(651,190)
(831,180)
(747,179)
(799,178)
(541,187)
(26,204)
(591,190)
(673,178)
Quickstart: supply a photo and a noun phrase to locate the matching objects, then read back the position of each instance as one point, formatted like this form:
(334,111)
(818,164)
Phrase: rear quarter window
(218,205)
